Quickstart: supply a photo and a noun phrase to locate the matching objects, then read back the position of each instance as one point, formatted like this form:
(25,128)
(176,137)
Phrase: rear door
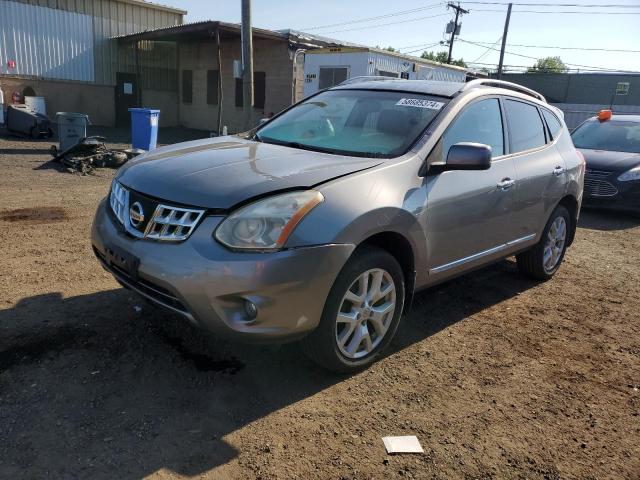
(469,213)
(539,167)
(126,96)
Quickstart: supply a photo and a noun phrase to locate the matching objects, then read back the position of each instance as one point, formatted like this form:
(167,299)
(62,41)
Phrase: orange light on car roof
(604,115)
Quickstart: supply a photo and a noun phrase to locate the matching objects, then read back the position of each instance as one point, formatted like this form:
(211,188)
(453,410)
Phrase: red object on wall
(11,64)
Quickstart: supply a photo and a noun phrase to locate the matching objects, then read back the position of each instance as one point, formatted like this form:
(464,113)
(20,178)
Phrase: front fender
(356,207)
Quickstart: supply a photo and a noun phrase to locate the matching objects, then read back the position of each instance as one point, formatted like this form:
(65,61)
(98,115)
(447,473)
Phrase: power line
(421,49)
(593,70)
(566,48)
(386,24)
(378,17)
(488,50)
(581,12)
(600,5)
(536,58)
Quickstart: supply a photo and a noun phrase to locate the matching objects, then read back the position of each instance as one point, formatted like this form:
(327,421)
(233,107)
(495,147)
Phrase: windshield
(614,135)
(370,123)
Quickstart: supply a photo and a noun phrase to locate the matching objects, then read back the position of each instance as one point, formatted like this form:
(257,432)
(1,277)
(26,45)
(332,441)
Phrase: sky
(409,25)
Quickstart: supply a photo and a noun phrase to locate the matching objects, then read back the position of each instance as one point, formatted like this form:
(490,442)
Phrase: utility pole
(459,10)
(504,40)
(247,63)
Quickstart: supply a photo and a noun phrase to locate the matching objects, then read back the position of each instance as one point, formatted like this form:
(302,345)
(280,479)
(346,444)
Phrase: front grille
(144,217)
(151,290)
(599,188)
(597,173)
(119,200)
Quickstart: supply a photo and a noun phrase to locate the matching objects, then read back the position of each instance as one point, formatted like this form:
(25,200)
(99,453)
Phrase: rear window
(370,123)
(613,135)
(555,127)
(525,126)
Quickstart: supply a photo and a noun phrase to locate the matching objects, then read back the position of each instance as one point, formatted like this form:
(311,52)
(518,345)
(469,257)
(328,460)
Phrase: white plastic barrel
(1,107)
(36,104)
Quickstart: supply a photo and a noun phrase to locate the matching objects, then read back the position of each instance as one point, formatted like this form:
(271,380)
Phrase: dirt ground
(498,376)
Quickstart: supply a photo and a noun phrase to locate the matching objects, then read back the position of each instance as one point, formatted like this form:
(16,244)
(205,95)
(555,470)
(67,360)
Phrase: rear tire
(543,260)
(358,322)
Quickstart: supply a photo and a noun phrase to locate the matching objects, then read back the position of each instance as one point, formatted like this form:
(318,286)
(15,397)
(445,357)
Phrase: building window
(187,86)
(259,87)
(384,73)
(259,90)
(622,88)
(330,76)
(212,87)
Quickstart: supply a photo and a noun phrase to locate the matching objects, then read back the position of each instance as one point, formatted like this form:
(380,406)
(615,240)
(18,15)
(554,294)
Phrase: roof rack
(488,82)
(367,78)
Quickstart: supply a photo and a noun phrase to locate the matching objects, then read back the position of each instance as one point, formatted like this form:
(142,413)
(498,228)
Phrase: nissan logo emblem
(136,214)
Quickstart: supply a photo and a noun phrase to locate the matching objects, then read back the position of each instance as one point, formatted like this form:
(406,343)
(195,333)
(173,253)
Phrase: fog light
(250,309)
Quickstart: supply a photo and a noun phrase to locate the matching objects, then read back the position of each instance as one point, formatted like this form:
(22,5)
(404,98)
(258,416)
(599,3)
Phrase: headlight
(633,174)
(267,224)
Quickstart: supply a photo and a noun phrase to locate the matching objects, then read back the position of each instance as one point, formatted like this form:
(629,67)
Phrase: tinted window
(612,135)
(355,122)
(525,126)
(480,122)
(555,127)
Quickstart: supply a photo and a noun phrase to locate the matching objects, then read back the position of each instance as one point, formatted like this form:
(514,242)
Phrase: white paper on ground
(407,444)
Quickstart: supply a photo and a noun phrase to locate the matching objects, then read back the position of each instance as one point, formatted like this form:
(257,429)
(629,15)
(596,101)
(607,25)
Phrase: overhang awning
(196,31)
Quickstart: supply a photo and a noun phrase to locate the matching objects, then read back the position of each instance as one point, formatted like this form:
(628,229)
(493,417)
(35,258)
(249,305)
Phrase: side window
(480,122)
(555,127)
(525,126)
(187,86)
(330,76)
(212,87)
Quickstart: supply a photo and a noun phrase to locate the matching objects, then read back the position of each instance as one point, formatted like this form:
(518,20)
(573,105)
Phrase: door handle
(558,170)
(506,183)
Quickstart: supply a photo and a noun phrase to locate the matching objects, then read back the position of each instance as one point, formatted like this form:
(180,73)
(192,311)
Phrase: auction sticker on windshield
(420,103)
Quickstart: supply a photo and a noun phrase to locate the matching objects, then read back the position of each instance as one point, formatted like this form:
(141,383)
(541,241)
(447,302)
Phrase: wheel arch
(571,204)
(399,247)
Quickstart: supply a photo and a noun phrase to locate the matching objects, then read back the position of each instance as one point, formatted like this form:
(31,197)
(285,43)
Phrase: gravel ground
(498,376)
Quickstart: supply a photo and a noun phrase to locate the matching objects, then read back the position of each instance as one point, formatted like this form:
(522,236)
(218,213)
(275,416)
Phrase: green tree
(388,49)
(548,65)
(442,58)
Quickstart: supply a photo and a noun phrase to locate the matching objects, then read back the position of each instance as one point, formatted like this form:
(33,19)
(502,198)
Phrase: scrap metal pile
(90,153)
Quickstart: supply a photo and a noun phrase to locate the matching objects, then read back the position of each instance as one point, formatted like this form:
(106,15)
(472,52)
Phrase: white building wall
(365,62)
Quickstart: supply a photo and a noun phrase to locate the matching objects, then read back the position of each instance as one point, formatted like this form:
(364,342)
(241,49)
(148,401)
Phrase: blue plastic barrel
(144,128)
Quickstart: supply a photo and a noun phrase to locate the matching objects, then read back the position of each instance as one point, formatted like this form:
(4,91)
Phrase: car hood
(222,172)
(610,161)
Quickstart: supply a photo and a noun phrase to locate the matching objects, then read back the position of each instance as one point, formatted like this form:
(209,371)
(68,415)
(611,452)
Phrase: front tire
(361,314)
(543,260)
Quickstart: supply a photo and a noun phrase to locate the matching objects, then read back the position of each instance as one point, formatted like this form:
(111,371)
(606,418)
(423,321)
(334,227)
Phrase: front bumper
(625,196)
(208,284)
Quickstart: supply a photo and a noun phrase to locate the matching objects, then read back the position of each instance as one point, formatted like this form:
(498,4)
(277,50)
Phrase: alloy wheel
(554,244)
(366,312)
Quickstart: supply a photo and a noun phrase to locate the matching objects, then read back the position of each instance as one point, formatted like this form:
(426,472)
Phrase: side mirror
(468,156)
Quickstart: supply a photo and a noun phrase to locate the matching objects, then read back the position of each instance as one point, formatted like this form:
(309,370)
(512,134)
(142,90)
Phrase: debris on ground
(90,153)
(404,444)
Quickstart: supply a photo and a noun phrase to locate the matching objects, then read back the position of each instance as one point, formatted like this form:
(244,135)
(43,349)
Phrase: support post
(247,63)
(504,40)
(220,97)
(459,10)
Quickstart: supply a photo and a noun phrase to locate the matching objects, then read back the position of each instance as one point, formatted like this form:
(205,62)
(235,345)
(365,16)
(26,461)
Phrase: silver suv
(320,224)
